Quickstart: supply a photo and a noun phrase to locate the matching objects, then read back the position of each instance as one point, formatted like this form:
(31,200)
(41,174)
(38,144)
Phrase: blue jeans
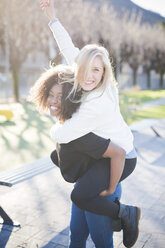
(84,223)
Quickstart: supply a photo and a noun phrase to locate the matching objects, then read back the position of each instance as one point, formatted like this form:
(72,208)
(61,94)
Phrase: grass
(153,113)
(131,101)
(139,96)
(26,137)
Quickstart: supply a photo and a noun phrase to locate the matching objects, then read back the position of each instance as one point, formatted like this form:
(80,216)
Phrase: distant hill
(127,5)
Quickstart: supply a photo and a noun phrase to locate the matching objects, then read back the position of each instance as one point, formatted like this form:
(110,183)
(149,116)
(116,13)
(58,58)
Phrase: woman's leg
(86,192)
(78,228)
(86,196)
(100,226)
(83,222)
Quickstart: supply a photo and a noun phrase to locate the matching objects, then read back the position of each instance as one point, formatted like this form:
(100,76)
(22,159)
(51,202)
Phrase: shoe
(130,217)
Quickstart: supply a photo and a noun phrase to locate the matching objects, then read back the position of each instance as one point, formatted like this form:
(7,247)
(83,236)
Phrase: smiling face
(95,75)
(54,100)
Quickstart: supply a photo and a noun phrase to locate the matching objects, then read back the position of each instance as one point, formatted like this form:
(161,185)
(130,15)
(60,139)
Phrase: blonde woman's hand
(107,192)
(48,7)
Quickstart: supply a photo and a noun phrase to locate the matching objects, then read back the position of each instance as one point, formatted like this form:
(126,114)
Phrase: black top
(77,156)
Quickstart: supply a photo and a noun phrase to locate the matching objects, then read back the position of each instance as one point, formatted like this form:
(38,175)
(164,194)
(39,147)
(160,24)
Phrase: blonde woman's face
(95,75)
(54,100)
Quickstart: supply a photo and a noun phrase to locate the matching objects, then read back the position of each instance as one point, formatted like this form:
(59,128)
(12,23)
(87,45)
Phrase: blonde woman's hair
(83,63)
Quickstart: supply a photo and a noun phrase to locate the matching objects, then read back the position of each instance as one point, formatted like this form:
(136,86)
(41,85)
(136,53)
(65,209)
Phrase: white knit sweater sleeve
(84,121)
(64,42)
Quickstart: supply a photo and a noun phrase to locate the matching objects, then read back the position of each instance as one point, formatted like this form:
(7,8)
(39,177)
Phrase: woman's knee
(77,198)
(129,167)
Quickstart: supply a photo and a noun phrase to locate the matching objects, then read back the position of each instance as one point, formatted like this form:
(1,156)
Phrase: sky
(153,5)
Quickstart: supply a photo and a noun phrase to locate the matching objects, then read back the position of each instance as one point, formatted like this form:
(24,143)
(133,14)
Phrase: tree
(158,61)
(132,43)
(2,25)
(149,38)
(25,35)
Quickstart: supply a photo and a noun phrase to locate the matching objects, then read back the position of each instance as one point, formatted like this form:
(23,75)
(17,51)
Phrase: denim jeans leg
(78,228)
(100,226)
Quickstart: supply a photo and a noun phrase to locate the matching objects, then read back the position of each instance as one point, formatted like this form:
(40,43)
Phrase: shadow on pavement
(62,238)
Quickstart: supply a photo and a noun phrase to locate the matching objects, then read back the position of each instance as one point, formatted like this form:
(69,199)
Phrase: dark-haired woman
(49,93)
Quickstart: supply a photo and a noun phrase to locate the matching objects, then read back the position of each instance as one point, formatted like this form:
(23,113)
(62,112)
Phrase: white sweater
(99,113)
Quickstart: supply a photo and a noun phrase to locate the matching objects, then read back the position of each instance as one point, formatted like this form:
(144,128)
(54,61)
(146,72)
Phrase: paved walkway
(42,204)
(153,103)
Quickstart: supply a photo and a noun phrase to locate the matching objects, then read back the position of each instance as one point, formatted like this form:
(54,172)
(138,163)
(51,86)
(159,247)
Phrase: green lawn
(130,102)
(26,138)
(153,113)
(141,96)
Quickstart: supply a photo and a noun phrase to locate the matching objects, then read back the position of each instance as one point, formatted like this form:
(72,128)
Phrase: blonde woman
(99,113)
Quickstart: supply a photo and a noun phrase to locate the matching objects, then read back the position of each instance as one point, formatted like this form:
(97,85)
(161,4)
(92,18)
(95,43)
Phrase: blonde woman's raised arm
(64,42)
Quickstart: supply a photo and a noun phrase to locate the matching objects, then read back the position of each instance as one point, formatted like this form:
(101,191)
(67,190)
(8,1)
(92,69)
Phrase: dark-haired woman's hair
(58,75)
(70,104)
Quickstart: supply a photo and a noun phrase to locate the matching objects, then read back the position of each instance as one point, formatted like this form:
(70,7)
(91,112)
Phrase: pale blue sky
(154,5)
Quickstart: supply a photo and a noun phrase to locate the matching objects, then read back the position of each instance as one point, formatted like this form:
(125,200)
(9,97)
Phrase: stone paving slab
(42,204)
(144,124)
(160,128)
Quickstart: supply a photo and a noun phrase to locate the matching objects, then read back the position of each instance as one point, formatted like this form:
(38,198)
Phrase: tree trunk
(134,76)
(161,80)
(15,75)
(115,72)
(148,79)
(114,67)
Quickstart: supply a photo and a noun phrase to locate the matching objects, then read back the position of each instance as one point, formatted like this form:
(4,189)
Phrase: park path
(153,103)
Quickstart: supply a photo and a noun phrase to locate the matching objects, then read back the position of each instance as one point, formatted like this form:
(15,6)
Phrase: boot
(116,223)
(130,216)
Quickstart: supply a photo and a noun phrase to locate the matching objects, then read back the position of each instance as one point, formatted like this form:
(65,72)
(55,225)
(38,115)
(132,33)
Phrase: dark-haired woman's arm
(98,147)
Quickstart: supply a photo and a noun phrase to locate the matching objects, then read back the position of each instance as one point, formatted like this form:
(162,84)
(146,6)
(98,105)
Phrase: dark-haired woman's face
(54,100)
